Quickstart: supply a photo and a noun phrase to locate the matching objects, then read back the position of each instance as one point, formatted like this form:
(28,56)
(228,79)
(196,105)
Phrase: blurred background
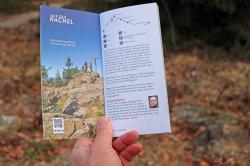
(207,53)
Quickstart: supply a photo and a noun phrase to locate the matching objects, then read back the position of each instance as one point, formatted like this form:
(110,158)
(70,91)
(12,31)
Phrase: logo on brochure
(60,19)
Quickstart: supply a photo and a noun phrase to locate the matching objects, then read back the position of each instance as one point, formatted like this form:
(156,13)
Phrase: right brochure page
(134,73)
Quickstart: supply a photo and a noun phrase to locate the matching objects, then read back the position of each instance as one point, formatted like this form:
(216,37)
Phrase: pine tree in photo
(58,79)
(74,70)
(45,73)
(69,63)
(67,72)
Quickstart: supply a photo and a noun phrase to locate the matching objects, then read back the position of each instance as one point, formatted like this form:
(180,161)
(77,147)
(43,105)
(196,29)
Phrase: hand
(103,151)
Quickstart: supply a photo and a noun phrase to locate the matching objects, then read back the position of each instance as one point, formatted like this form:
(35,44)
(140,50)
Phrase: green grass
(99,110)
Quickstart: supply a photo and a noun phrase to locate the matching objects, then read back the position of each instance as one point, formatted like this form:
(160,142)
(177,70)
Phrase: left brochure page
(71,73)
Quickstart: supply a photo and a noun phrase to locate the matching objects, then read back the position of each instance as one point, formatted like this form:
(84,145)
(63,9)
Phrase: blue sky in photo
(84,31)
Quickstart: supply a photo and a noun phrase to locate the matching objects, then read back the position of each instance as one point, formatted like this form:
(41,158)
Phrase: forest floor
(14,21)
(209,97)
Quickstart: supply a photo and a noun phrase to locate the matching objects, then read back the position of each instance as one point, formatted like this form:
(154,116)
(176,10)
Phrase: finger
(103,133)
(83,144)
(130,153)
(80,152)
(125,140)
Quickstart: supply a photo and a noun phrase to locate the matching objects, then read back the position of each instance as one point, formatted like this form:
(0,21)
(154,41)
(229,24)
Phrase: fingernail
(102,122)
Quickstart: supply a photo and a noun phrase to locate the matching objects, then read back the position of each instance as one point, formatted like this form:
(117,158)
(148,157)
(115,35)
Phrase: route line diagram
(127,20)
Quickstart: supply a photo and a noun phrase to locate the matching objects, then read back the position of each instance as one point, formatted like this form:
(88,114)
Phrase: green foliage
(58,79)
(100,114)
(45,72)
(66,74)
(69,71)
(74,70)
(69,63)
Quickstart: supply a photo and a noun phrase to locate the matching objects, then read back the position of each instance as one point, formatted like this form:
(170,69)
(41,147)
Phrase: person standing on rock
(90,66)
(94,60)
(85,67)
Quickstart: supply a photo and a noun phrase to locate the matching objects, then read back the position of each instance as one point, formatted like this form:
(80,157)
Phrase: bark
(171,22)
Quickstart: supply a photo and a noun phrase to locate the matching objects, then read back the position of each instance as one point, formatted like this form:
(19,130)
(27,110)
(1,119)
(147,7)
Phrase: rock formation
(79,103)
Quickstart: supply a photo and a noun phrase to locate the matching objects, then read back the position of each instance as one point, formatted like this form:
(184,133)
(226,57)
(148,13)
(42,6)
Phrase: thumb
(103,133)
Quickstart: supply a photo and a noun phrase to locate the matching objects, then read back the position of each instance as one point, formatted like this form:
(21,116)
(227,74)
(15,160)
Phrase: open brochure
(109,64)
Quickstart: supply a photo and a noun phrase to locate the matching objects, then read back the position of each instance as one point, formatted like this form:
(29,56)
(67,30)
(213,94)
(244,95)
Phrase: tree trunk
(171,22)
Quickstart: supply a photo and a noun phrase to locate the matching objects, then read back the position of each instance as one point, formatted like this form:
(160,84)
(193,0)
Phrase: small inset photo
(153,101)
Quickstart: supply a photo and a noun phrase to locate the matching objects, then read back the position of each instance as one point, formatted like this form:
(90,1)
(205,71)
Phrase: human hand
(103,151)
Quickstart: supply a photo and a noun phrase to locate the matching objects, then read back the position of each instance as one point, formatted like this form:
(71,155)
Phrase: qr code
(58,125)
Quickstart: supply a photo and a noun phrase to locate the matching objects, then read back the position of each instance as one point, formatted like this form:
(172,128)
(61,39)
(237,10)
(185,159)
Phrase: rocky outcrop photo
(79,103)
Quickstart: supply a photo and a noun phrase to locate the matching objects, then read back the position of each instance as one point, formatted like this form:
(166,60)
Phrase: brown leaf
(14,153)
(36,87)
(166,158)
(41,157)
(204,163)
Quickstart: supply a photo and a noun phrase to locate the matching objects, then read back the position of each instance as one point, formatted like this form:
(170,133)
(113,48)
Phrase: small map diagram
(129,20)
